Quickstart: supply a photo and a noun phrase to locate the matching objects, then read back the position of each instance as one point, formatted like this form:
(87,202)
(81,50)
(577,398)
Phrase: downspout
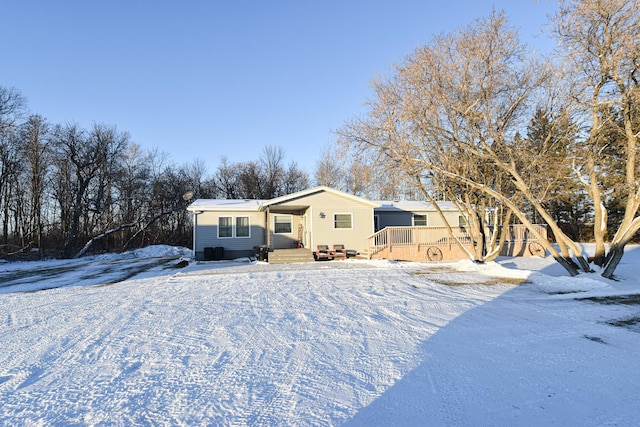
(195,233)
(195,226)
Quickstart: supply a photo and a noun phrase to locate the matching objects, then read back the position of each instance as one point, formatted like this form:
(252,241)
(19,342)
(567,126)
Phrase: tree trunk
(612,260)
(102,236)
(567,264)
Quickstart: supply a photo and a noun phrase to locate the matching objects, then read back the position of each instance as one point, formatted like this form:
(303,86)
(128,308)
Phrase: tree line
(479,116)
(474,116)
(66,190)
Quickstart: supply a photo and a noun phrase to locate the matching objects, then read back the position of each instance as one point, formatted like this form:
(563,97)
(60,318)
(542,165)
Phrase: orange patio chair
(323,252)
(339,251)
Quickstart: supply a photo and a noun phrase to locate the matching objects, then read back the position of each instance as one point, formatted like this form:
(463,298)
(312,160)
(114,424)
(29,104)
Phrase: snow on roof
(414,205)
(256,205)
(225,204)
(314,190)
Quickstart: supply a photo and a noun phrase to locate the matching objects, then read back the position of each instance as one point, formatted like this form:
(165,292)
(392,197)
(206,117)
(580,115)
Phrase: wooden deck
(435,244)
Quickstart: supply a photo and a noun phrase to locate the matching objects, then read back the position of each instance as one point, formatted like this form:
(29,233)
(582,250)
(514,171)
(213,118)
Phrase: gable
(316,194)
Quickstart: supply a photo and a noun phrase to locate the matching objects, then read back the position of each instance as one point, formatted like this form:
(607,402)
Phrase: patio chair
(323,252)
(339,251)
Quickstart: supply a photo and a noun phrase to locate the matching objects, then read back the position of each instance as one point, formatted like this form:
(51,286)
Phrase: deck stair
(289,256)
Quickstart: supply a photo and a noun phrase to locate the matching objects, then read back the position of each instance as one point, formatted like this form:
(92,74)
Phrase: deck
(435,243)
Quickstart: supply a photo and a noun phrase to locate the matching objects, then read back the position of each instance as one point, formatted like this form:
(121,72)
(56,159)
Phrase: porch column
(267,230)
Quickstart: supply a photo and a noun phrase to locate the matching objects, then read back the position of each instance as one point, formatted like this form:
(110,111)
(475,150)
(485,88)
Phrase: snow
(354,343)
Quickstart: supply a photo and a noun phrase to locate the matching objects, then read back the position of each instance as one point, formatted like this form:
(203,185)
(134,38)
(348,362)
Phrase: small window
(282,224)
(462,221)
(242,226)
(419,220)
(225,227)
(342,221)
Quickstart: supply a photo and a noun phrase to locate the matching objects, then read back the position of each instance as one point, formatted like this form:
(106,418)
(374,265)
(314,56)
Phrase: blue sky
(202,79)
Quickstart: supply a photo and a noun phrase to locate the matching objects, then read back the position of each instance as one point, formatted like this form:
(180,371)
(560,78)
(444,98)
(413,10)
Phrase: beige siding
(287,240)
(434,219)
(323,231)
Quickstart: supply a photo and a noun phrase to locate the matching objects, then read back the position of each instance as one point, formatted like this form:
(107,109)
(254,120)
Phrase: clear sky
(202,79)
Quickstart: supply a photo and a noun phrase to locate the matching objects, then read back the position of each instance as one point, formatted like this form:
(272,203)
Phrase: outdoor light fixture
(322,215)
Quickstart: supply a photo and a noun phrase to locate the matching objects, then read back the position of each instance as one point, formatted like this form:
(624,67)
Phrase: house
(400,230)
(316,216)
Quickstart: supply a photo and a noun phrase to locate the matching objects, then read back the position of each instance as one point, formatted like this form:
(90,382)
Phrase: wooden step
(289,256)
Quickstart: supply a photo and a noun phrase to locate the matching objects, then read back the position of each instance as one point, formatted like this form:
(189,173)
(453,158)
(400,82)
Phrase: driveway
(36,276)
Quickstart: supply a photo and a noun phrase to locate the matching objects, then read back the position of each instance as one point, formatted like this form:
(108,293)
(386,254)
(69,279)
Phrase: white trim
(274,215)
(342,213)
(413,219)
(315,190)
(235,227)
(218,227)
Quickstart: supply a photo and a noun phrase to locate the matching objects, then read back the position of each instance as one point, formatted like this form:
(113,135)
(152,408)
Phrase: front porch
(287,227)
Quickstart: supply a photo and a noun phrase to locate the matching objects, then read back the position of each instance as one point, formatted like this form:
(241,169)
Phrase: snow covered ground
(354,343)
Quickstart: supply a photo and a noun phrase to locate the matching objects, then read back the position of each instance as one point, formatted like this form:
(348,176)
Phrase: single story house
(402,230)
(316,216)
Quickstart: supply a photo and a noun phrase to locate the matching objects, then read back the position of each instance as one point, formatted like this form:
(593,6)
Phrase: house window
(242,226)
(282,224)
(419,220)
(342,221)
(462,221)
(225,227)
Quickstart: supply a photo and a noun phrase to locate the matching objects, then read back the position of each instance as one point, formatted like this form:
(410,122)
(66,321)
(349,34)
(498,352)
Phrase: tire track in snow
(293,347)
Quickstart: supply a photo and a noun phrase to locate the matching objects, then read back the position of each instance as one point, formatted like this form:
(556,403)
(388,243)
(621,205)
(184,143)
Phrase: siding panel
(206,234)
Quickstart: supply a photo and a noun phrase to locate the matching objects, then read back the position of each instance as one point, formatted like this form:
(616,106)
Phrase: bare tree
(272,169)
(131,187)
(264,178)
(225,180)
(452,112)
(12,106)
(295,179)
(327,170)
(600,43)
(36,154)
(82,163)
